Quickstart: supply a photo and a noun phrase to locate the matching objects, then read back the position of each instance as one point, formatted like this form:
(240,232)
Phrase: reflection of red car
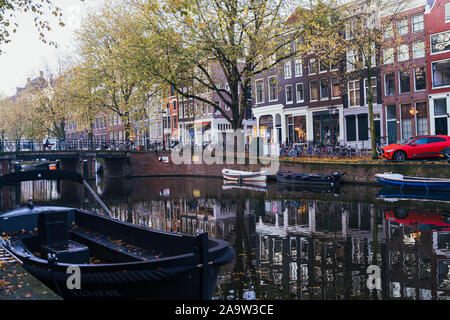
(417,147)
(421,220)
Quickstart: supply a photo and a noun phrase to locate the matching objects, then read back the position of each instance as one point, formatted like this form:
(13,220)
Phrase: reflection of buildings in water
(189,216)
(322,250)
(44,190)
(441,245)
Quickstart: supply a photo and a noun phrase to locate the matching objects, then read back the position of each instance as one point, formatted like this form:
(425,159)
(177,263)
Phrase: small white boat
(244,176)
(254,186)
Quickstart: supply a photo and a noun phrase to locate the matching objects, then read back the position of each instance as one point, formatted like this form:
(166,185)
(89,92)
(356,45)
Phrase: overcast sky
(25,56)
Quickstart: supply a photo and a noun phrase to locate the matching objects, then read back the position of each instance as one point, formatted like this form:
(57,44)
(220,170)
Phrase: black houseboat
(115,259)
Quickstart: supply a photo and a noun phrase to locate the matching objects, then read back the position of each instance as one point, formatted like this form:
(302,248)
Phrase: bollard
(201,243)
(85,170)
(17,167)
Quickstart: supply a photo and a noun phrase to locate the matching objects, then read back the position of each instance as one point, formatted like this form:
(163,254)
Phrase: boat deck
(117,245)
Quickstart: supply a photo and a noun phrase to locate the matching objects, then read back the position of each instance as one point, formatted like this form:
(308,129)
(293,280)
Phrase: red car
(420,220)
(418,148)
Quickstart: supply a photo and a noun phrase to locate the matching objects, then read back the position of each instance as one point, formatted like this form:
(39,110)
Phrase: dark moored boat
(334,179)
(291,187)
(393,180)
(394,195)
(117,260)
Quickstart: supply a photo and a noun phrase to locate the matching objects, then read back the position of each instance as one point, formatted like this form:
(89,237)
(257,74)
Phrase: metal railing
(24,145)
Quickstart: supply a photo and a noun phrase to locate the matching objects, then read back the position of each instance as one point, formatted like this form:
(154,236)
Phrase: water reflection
(289,244)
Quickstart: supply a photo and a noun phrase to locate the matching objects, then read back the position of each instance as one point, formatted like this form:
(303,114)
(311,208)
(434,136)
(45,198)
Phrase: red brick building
(403,75)
(437,23)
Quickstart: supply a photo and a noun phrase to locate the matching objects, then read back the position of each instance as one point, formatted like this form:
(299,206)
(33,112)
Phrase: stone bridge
(114,163)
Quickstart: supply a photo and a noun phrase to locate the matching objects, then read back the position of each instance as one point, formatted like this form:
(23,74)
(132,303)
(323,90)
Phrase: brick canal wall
(147,164)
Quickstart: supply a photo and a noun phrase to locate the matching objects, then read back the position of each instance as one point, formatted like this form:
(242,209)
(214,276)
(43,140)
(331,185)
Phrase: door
(441,125)
(392,132)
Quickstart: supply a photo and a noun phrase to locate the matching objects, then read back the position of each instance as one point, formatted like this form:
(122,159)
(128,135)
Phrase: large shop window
(326,128)
(297,129)
(363,127)
(441,73)
(351,128)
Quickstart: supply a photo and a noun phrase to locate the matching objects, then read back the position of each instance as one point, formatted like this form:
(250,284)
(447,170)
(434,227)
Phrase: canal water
(290,243)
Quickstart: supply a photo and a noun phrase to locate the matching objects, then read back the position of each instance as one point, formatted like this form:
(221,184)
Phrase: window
(324,86)
(174,106)
(441,73)
(287,70)
(374,90)
(402,27)
(419,78)
(421,118)
(418,49)
(322,66)
(417,22)
(335,88)
(273,94)
(440,42)
(404,78)
(312,66)
(391,113)
(313,90)
(420,142)
(181,111)
(300,94)
(406,121)
(289,94)
(354,93)
(351,128)
(388,55)
(363,127)
(447,12)
(349,31)
(298,68)
(259,91)
(436,140)
(403,52)
(389,84)
(440,107)
(388,31)
(351,60)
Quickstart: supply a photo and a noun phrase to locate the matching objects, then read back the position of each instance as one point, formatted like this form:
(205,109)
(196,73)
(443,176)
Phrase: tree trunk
(371,116)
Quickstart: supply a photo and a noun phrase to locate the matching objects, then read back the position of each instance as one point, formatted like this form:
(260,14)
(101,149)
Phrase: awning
(201,125)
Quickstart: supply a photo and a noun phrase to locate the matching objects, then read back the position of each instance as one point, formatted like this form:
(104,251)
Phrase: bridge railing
(23,145)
